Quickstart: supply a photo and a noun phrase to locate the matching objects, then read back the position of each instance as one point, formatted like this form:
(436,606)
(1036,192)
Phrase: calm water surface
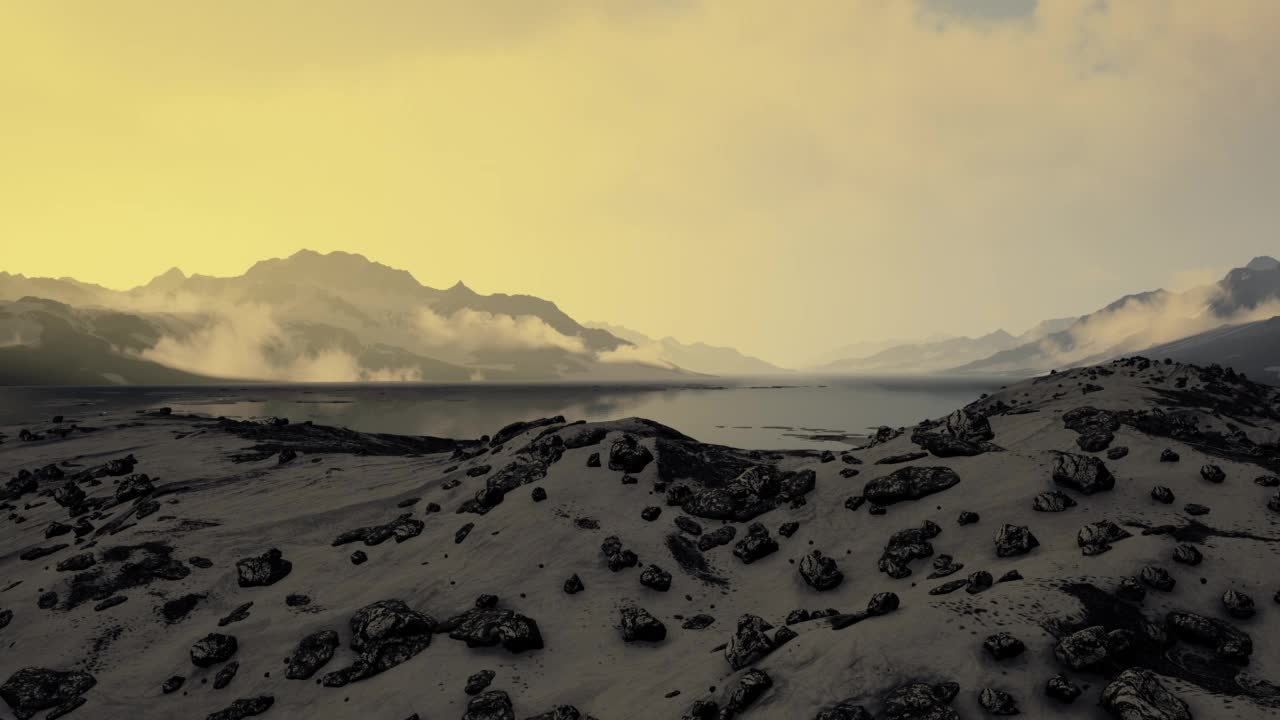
(774,414)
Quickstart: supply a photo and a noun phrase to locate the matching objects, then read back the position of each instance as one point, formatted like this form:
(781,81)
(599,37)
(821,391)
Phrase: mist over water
(820,412)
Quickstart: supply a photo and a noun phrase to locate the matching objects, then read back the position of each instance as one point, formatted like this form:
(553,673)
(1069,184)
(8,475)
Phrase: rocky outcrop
(32,689)
(1139,695)
(1084,474)
(910,483)
(262,570)
(384,634)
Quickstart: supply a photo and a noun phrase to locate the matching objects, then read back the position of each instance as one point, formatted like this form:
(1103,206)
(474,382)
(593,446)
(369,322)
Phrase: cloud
(651,354)
(246,342)
(469,330)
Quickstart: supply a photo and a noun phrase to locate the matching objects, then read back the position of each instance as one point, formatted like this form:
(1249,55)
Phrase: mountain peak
(336,269)
(1262,263)
(461,287)
(169,280)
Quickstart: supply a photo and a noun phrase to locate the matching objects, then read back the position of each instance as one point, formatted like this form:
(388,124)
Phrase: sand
(219,499)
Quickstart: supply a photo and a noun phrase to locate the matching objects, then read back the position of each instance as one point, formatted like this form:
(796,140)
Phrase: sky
(780,177)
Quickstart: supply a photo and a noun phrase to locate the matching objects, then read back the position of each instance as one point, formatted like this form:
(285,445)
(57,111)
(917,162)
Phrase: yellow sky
(783,177)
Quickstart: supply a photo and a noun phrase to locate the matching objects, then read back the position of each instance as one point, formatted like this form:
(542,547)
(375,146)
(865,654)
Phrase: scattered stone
(1052,501)
(1139,695)
(637,625)
(722,535)
(1156,578)
(820,572)
(905,546)
(573,585)
(226,675)
(616,557)
(1096,537)
(998,702)
(1082,473)
(477,682)
(488,626)
(1003,646)
(688,524)
(1162,494)
(1013,540)
(656,578)
(384,634)
(212,649)
(32,689)
(312,653)
(1195,509)
(750,642)
(1168,455)
(755,545)
(359,557)
(266,569)
(462,533)
(1187,554)
(967,518)
(243,708)
(978,582)
(173,684)
(1117,452)
(240,613)
(651,513)
(1092,647)
(910,483)
(750,686)
(903,458)
(1238,605)
(1060,688)
(628,455)
(1213,474)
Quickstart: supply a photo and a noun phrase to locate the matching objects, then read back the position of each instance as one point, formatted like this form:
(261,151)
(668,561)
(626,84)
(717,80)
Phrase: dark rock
(1228,642)
(312,653)
(240,613)
(757,544)
(702,710)
(1060,688)
(1131,589)
(384,634)
(849,472)
(1168,455)
(173,684)
(1010,576)
(1002,646)
(243,708)
(882,603)
(573,585)
(628,455)
(56,529)
(262,570)
(1213,474)
(226,675)
(697,622)
(212,649)
(910,483)
(1095,427)
(359,557)
(1138,694)
(656,578)
(722,535)
(297,600)
(905,546)
(921,701)
(820,572)
(110,603)
(787,529)
(844,711)
(134,486)
(749,687)
(1013,540)
(1195,509)
(1162,494)
(539,494)
(1117,452)
(902,458)
(978,582)
(31,689)
(1092,647)
(967,518)
(47,600)
(616,557)
(76,563)
(1238,605)
(853,502)
(997,702)
(637,625)
(486,627)
(1053,501)
(944,565)
(1267,481)
(1096,537)
(36,553)
(1087,475)
(462,533)
(688,524)
(650,513)
(750,642)
(1157,578)
(477,682)
(1187,554)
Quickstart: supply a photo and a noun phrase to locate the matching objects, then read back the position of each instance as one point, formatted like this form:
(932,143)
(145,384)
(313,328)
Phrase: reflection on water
(804,413)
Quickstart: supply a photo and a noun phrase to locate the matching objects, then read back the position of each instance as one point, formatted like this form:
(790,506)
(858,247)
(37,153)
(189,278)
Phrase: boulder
(757,544)
(384,634)
(1092,647)
(1052,501)
(1013,540)
(212,649)
(1138,694)
(628,455)
(1228,642)
(32,689)
(910,483)
(750,642)
(819,571)
(265,569)
(1082,473)
(489,626)
(492,705)
(312,653)
(1003,646)
(637,625)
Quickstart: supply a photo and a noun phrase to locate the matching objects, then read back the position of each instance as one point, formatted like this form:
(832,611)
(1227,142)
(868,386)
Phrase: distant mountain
(315,317)
(923,357)
(697,357)
(1251,348)
(1142,321)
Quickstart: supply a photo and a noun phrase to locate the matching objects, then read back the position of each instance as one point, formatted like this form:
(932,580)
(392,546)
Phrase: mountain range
(339,317)
(1227,322)
(311,317)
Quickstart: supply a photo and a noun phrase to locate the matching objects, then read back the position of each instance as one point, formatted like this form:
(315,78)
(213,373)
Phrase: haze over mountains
(339,317)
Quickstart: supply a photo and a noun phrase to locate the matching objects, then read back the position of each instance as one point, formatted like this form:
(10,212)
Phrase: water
(766,414)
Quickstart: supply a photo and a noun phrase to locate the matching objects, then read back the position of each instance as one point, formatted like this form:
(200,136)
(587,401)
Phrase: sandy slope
(217,504)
